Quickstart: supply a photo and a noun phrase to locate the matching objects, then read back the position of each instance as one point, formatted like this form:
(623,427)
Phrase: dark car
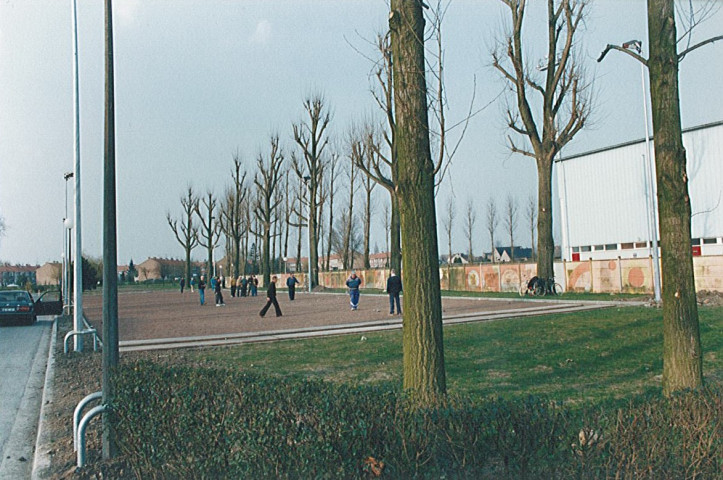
(18,306)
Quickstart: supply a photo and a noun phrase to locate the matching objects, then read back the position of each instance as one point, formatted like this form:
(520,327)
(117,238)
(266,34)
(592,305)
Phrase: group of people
(240,286)
(394,288)
(243,286)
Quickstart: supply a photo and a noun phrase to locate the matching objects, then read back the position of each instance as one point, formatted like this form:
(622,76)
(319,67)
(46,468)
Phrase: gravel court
(147,315)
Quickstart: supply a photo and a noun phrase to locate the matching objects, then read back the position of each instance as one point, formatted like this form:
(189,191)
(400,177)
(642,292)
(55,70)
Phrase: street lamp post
(78,266)
(307,178)
(636,45)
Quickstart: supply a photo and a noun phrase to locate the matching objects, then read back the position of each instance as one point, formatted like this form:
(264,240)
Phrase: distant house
(49,274)
(17,274)
(162,269)
(504,254)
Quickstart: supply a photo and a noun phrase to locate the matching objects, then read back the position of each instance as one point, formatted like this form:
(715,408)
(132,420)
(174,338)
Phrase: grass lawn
(594,357)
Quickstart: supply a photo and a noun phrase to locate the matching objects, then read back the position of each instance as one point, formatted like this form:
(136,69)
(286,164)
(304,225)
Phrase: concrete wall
(627,275)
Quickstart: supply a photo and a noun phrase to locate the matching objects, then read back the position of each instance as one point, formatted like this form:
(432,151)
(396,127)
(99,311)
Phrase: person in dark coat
(183,283)
(219,294)
(291,283)
(394,287)
(271,299)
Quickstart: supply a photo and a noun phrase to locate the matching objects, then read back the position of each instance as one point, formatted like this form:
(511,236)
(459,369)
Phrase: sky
(199,80)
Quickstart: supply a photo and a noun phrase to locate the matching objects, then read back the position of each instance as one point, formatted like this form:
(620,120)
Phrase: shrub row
(181,422)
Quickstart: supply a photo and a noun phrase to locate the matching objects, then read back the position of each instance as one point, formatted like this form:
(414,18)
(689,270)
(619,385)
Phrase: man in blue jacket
(353,283)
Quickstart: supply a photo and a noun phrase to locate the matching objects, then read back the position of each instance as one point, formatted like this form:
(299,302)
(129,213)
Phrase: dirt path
(167,314)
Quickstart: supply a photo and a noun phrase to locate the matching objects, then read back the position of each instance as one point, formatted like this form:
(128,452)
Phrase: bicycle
(538,287)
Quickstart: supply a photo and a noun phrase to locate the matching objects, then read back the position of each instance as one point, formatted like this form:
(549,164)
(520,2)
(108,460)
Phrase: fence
(628,275)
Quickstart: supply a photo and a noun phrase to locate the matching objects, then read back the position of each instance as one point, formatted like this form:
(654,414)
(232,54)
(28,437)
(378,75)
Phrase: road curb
(42,460)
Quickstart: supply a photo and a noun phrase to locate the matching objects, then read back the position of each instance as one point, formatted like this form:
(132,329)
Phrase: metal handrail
(81,431)
(87,331)
(78,411)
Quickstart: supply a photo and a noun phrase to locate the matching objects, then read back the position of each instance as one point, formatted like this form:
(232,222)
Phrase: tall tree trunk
(545,242)
(424,372)
(395,237)
(682,352)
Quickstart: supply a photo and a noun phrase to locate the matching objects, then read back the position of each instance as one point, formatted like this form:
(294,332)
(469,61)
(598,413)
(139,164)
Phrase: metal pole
(78,266)
(652,210)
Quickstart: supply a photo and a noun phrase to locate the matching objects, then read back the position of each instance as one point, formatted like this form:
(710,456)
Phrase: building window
(598,248)
(626,246)
(641,244)
(710,241)
(611,246)
(586,248)
(575,249)
(695,241)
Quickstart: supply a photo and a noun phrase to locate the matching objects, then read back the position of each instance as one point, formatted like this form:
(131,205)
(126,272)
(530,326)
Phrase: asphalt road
(23,359)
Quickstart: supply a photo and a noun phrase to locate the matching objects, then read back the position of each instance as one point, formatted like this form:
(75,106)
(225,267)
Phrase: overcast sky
(198,80)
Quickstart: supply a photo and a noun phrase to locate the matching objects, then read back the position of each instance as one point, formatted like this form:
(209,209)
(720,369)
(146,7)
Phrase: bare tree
(332,179)
(531,217)
(470,220)
(492,222)
(186,233)
(210,231)
(311,137)
(558,86)
(368,184)
(510,219)
(682,350)
(234,216)
(423,345)
(450,213)
(356,154)
(266,181)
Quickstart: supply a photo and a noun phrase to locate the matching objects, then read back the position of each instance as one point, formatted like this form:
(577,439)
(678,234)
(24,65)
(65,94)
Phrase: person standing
(202,290)
(254,283)
(183,283)
(394,286)
(233,286)
(219,294)
(193,282)
(353,283)
(244,284)
(291,283)
(271,299)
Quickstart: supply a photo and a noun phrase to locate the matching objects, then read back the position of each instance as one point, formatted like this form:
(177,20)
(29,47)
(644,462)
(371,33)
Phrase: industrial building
(608,208)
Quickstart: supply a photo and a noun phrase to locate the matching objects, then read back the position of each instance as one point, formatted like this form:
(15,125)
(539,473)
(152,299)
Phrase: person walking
(193,282)
(353,283)
(202,290)
(233,286)
(183,283)
(291,283)
(219,294)
(271,299)
(394,286)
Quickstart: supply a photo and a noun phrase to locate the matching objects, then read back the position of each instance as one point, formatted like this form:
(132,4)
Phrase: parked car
(18,306)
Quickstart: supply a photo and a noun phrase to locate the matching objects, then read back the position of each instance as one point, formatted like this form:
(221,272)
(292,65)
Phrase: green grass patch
(581,358)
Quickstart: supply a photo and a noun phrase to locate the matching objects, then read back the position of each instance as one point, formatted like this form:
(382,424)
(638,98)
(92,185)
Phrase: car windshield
(14,297)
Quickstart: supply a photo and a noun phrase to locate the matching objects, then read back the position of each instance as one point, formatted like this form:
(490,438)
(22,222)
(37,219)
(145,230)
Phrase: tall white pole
(652,208)
(78,266)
